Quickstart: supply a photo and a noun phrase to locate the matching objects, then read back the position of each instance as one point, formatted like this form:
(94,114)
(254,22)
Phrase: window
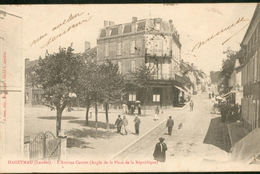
(132,96)
(119,67)
(157,47)
(106,50)
(133,66)
(156,97)
(158,26)
(119,48)
(132,47)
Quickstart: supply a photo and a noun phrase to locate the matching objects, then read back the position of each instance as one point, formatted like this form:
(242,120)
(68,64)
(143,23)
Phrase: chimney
(171,26)
(87,45)
(134,19)
(120,29)
(27,61)
(111,23)
(105,23)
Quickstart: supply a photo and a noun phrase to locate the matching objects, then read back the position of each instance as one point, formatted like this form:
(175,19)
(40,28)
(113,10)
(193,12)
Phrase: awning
(187,89)
(181,89)
(227,94)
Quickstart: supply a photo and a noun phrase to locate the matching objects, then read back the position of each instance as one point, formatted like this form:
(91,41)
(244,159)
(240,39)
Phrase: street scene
(151,91)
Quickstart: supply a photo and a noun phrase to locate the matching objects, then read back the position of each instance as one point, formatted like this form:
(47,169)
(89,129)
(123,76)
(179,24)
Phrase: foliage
(142,77)
(229,63)
(58,75)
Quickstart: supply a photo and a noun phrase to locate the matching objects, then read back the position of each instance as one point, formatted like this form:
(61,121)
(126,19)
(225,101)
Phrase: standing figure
(159,151)
(124,124)
(170,124)
(139,109)
(137,124)
(157,111)
(191,105)
(90,112)
(118,123)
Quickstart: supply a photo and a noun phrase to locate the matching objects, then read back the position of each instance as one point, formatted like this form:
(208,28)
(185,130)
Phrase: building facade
(153,42)
(251,73)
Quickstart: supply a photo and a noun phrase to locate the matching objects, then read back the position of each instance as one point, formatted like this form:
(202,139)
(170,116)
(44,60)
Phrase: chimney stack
(120,29)
(27,61)
(111,23)
(134,19)
(87,45)
(105,23)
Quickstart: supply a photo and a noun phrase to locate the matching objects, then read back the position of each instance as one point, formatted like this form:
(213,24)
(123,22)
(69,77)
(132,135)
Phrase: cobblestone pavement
(202,138)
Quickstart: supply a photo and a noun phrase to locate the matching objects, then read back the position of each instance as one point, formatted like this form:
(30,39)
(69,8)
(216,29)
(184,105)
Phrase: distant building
(33,93)
(153,42)
(251,73)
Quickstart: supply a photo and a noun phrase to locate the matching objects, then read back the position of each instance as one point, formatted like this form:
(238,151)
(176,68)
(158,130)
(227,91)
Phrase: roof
(91,52)
(252,26)
(141,25)
(32,63)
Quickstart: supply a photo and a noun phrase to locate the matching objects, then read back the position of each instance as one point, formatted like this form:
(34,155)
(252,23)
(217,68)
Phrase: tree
(142,77)
(58,75)
(113,85)
(229,63)
(85,86)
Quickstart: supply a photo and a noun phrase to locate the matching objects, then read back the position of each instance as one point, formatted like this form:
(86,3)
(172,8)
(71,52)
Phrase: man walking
(170,124)
(123,128)
(157,111)
(191,105)
(137,124)
(159,151)
(118,123)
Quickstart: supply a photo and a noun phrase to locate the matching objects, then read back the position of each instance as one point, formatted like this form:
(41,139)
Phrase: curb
(136,140)
(229,133)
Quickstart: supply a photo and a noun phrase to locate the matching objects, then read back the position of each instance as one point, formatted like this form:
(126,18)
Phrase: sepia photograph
(170,87)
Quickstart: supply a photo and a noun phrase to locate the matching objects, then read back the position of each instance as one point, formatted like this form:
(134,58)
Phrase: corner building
(153,42)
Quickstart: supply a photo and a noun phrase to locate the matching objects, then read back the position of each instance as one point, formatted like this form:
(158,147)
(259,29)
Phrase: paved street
(201,139)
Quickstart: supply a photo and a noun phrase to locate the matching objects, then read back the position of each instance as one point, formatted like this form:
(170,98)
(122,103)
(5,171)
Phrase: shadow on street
(92,124)
(62,117)
(214,135)
(75,142)
(86,133)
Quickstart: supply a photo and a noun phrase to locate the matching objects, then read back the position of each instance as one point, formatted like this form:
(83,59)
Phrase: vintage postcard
(130,88)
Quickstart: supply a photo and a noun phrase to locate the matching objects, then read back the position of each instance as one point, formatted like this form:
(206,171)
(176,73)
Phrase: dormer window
(158,26)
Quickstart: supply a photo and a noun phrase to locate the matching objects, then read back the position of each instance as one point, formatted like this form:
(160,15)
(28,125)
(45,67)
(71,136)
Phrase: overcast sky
(194,22)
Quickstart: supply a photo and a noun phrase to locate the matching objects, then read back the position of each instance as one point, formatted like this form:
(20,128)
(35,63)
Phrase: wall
(12,130)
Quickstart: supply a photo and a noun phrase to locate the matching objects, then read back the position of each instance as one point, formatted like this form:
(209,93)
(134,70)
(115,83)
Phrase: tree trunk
(96,117)
(107,120)
(58,121)
(87,123)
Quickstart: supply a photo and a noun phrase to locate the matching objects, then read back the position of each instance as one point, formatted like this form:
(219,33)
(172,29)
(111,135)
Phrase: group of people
(132,109)
(229,111)
(122,124)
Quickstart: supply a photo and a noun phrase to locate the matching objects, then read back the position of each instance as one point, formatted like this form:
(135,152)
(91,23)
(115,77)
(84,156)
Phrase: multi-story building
(153,42)
(33,93)
(251,73)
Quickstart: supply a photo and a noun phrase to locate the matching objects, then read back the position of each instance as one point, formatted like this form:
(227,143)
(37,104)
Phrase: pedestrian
(90,112)
(191,105)
(170,124)
(137,124)
(118,123)
(157,111)
(139,109)
(124,124)
(159,151)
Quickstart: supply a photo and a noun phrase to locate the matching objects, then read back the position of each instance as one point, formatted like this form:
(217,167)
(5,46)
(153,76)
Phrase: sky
(194,22)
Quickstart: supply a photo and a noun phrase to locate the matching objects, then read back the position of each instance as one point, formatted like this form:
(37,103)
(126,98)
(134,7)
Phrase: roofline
(250,25)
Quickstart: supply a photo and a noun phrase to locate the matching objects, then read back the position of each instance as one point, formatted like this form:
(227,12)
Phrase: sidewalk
(236,132)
